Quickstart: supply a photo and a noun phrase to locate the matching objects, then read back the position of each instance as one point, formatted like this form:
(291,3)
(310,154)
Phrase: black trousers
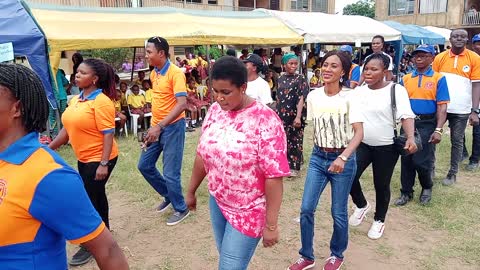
(421,162)
(383,159)
(96,189)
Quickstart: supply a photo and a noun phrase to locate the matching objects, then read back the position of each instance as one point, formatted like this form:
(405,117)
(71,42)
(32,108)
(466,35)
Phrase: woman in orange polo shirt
(89,125)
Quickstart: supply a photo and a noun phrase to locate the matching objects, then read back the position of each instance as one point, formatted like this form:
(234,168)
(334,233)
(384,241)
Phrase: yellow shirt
(311,62)
(148,96)
(270,83)
(118,105)
(123,101)
(136,101)
(314,80)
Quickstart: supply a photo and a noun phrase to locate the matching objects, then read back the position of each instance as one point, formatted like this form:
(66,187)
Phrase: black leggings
(96,189)
(383,159)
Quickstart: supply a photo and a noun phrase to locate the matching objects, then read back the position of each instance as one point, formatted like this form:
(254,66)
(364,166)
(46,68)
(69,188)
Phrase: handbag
(399,141)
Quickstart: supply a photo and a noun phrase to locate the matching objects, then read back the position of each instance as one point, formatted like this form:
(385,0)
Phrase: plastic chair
(133,117)
(124,128)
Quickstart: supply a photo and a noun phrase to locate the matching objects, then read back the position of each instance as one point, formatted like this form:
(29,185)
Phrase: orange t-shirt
(86,121)
(168,83)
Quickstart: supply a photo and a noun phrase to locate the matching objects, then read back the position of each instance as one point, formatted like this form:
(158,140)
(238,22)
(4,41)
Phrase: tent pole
(133,63)
(209,71)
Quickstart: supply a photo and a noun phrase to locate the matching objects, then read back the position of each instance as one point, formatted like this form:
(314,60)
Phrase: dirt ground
(150,244)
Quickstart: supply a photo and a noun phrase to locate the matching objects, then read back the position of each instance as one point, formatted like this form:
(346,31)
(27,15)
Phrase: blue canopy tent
(19,28)
(412,35)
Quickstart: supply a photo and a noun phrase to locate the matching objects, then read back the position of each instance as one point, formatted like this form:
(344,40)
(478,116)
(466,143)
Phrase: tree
(362,7)
(114,57)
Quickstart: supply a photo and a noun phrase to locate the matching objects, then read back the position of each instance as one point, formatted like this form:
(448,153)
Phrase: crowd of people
(252,132)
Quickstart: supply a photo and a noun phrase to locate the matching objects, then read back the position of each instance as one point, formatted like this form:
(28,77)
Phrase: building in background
(327,6)
(449,14)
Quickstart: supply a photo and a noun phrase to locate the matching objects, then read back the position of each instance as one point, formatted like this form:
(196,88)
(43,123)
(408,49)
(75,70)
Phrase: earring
(94,82)
(341,79)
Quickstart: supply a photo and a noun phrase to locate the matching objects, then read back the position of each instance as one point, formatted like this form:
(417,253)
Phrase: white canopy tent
(317,27)
(444,32)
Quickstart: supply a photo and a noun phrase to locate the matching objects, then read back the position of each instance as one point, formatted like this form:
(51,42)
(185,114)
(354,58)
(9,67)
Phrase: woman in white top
(337,124)
(377,145)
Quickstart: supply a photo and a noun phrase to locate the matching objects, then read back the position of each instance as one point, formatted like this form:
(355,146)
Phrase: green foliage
(362,7)
(114,57)
(214,51)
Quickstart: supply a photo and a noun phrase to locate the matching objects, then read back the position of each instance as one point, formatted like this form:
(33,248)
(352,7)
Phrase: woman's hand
(270,238)
(410,145)
(337,166)
(191,201)
(102,172)
(297,123)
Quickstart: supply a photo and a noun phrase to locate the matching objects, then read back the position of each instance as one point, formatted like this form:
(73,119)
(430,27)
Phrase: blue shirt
(42,203)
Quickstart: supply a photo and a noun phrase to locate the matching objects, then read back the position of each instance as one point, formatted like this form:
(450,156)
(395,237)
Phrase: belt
(331,150)
(426,116)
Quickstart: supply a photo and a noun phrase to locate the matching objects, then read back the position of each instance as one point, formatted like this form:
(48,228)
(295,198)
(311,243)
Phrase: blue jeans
(171,143)
(235,248)
(317,178)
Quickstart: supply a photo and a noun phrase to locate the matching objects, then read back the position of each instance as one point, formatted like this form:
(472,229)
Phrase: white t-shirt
(376,107)
(390,66)
(259,90)
(333,117)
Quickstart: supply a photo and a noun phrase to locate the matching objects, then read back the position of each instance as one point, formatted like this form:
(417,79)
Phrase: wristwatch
(477,111)
(344,158)
(104,163)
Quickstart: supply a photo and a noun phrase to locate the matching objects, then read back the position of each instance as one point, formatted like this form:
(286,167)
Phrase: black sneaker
(449,180)
(472,166)
(177,217)
(163,206)
(82,257)
(404,199)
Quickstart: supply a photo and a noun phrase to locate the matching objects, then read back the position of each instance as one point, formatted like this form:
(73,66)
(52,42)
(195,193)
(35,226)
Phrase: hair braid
(27,87)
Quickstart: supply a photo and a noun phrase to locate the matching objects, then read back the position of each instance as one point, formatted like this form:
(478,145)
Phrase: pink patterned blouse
(240,149)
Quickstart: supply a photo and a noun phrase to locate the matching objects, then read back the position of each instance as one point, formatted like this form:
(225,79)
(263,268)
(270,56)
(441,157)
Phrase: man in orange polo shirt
(461,68)
(167,132)
(428,94)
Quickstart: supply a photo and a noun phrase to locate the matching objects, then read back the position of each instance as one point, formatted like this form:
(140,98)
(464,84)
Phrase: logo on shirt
(3,190)
(429,85)
(466,68)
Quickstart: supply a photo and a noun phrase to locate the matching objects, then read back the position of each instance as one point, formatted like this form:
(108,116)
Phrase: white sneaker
(358,215)
(376,231)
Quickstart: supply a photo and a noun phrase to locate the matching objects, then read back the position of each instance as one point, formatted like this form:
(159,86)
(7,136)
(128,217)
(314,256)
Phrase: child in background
(119,113)
(316,80)
(123,101)
(137,102)
(192,99)
(147,87)
(271,83)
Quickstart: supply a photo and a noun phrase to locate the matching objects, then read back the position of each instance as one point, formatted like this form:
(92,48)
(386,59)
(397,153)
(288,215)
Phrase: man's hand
(435,138)
(473,118)
(410,145)
(153,134)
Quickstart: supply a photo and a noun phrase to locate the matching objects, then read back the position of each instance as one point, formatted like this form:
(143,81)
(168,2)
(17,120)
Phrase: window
(401,7)
(433,6)
(320,5)
(299,5)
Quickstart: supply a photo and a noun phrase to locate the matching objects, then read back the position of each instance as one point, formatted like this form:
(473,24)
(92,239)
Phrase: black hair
(117,79)
(380,37)
(79,57)
(346,64)
(161,44)
(230,68)
(141,71)
(123,83)
(135,85)
(147,81)
(379,56)
(231,52)
(105,74)
(26,86)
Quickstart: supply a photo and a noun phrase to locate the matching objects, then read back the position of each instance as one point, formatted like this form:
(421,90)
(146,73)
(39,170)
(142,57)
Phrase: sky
(339,4)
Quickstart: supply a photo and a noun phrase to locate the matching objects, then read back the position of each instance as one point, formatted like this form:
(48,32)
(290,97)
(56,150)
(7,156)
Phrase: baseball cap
(425,48)
(254,59)
(346,48)
(476,38)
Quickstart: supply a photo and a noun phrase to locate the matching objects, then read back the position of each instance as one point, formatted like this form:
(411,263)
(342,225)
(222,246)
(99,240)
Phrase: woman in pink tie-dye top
(242,151)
